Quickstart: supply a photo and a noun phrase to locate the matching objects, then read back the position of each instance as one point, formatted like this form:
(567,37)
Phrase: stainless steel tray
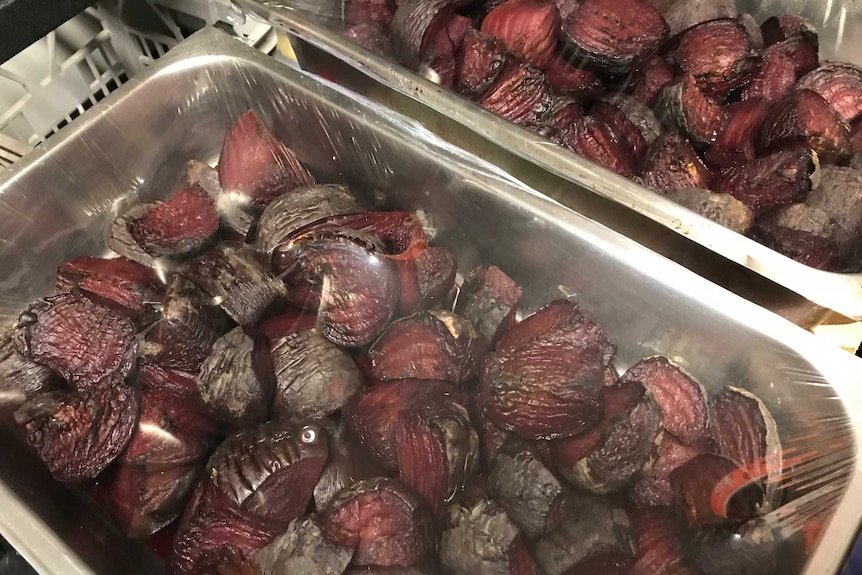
(575,181)
(57,203)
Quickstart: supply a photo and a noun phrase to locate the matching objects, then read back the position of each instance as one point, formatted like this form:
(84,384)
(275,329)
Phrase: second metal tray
(730,259)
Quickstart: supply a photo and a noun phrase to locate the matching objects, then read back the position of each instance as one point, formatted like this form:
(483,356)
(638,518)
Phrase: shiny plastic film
(733,124)
(257,323)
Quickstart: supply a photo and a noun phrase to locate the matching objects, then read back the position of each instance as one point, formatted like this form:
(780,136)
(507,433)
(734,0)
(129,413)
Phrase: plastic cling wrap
(331,398)
(734,88)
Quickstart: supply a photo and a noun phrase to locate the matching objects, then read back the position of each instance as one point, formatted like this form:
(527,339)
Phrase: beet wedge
(528,29)
(682,106)
(436,268)
(21,378)
(653,487)
(720,55)
(521,94)
(735,144)
(489,300)
(840,85)
(255,165)
(681,15)
(672,163)
(479,62)
(79,339)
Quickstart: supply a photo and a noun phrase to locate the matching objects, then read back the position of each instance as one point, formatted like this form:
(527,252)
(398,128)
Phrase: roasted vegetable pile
(738,122)
(301,386)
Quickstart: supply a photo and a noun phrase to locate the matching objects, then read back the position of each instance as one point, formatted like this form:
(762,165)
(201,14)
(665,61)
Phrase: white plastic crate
(53,81)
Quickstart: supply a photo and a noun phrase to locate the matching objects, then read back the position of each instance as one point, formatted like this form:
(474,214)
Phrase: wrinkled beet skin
(612,35)
(594,139)
(777,179)
(255,164)
(21,378)
(398,528)
(182,225)
(303,548)
(373,415)
(436,268)
(624,131)
(120,281)
(672,163)
(347,463)
(683,106)
(427,345)
(78,435)
(81,340)
(477,538)
(738,430)
(718,54)
(414,24)
(521,95)
(840,85)
(528,28)
(479,62)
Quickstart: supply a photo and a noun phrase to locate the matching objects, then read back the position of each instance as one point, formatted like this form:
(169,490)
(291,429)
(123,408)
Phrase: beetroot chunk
(718,54)
(780,178)
(21,378)
(652,76)
(682,399)
(528,28)
(303,548)
(347,464)
(235,213)
(237,279)
(594,139)
(228,385)
(624,131)
(671,163)
(804,117)
(653,486)
(256,165)
(735,144)
(78,435)
(712,490)
(840,85)
(189,327)
(801,245)
(82,341)
(428,345)
(133,288)
(683,106)
(386,522)
(776,76)
(436,268)
(521,95)
(181,226)
(681,15)
(659,545)
(580,84)
(545,379)
(489,300)
(613,35)
(415,24)
(478,63)
(787,27)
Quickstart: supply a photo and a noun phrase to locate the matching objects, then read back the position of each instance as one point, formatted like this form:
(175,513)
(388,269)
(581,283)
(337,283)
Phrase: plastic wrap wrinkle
(620,283)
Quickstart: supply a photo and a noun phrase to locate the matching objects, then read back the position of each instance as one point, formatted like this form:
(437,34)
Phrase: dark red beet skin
(21,378)
(78,435)
(81,340)
(671,163)
(780,178)
(594,139)
(652,76)
(302,548)
(255,164)
(182,225)
(653,486)
(436,268)
(478,63)
(386,522)
(718,54)
(736,143)
(414,23)
(521,95)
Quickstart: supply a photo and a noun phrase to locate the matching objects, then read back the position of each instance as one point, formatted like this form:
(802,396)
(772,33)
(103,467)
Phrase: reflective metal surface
(736,262)
(56,204)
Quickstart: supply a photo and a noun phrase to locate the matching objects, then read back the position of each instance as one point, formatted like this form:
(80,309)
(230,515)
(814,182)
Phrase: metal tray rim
(841,292)
(840,369)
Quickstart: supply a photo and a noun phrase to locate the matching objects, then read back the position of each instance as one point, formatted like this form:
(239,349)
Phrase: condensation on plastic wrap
(798,248)
(59,203)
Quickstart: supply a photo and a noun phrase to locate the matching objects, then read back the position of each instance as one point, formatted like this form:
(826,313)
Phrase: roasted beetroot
(119,282)
(478,63)
(718,54)
(362,11)
(78,434)
(528,29)
(189,327)
(436,268)
(545,378)
(521,95)
(580,84)
(256,165)
(786,27)
(386,522)
(804,117)
(837,196)
(652,76)
(776,76)
(777,179)
(489,300)
(428,345)
(594,139)
(723,209)
(81,340)
(234,393)
(184,224)
(21,378)
(414,23)
(735,144)
(659,544)
(612,35)
(624,131)
(684,14)
(840,85)
(672,163)
(236,215)
(303,548)
(347,464)
(683,106)
(803,246)
(122,242)
(653,485)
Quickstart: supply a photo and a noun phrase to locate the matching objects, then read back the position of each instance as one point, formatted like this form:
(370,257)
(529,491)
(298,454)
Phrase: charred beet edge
(314,377)
(386,522)
(520,95)
(586,529)
(415,22)
(594,139)
(237,280)
(183,225)
(489,300)
(438,53)
(735,144)
(133,288)
(121,240)
(712,490)
(189,327)
(528,28)
(723,209)
(478,63)
(525,487)
(840,85)
(682,399)
(301,207)
(612,35)
(428,345)
(478,537)
(21,378)
(682,15)
(303,548)
(228,385)
(347,464)
(780,178)
(804,117)
(255,165)
(653,485)
(545,379)
(683,106)
(671,163)
(78,435)
(372,416)
(81,340)
(637,113)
